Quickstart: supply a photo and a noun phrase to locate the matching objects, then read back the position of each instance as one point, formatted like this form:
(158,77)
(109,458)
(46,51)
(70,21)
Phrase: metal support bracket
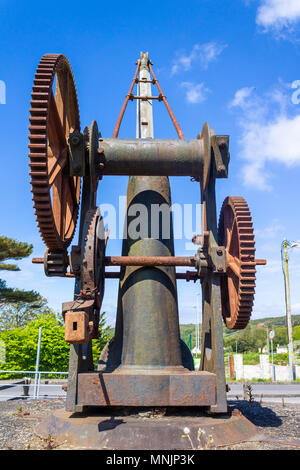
(79,324)
(77,153)
(209,257)
(220,146)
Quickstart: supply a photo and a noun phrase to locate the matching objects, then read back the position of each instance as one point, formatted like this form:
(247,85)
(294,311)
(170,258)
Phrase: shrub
(21,345)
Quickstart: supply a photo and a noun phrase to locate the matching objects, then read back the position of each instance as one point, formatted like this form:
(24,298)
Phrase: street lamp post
(285,261)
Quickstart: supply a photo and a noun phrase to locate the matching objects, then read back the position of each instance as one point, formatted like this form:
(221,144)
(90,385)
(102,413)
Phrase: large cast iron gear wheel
(54,114)
(238,285)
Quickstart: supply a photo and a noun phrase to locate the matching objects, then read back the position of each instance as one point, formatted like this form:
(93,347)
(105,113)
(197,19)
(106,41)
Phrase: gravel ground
(279,425)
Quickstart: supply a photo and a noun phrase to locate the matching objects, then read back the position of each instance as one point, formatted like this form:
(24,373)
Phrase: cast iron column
(147,327)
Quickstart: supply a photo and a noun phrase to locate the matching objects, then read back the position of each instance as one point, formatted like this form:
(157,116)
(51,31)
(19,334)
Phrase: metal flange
(93,157)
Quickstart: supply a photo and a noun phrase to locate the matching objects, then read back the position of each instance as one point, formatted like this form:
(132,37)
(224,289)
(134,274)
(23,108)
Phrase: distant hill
(276,322)
(269,322)
(187,329)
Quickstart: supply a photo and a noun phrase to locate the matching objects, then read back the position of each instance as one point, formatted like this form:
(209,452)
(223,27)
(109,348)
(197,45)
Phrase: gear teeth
(56,263)
(49,65)
(89,282)
(238,315)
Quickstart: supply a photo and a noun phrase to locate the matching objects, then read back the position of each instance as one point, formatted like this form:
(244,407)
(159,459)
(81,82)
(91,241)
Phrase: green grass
(250,359)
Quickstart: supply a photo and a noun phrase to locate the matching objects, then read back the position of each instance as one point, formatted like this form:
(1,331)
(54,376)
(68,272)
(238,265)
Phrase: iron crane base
(146,429)
(147,388)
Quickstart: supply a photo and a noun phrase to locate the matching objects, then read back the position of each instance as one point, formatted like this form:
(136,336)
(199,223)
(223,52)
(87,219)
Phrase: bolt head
(75,140)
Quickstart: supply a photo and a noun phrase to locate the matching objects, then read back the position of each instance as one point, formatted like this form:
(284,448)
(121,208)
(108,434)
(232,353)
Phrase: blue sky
(230,63)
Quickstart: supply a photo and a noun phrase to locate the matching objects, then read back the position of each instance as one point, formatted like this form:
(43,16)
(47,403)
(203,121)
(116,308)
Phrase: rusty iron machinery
(238,286)
(146,363)
(53,115)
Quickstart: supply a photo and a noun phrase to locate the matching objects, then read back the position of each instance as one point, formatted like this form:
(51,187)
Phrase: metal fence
(28,386)
(26,381)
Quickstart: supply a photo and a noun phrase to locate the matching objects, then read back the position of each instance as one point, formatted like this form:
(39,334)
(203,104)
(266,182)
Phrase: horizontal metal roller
(152,157)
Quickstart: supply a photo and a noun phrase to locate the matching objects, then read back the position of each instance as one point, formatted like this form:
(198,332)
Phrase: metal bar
(187,276)
(36,378)
(37,260)
(27,385)
(176,125)
(31,397)
(145,98)
(150,261)
(119,120)
(29,372)
(260,262)
(152,157)
(38,386)
(145,81)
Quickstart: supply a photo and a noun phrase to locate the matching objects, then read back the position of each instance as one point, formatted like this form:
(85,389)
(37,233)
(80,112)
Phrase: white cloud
(195,93)
(202,54)
(278,14)
(240,97)
(270,133)
(274,141)
(271,231)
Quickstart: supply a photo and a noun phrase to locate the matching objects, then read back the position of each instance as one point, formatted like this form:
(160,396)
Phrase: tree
(18,314)
(21,344)
(281,336)
(104,337)
(252,338)
(296,333)
(12,249)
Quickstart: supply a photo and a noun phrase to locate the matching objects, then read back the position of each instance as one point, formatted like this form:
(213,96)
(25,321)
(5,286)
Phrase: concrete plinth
(146,430)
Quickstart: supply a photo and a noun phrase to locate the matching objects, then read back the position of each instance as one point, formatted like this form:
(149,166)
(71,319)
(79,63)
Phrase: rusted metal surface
(77,327)
(146,363)
(147,324)
(90,255)
(53,115)
(188,275)
(55,262)
(212,346)
(145,98)
(150,261)
(135,429)
(238,287)
(152,157)
(147,388)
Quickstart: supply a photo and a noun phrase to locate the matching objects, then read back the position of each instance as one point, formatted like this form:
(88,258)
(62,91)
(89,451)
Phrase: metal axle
(151,157)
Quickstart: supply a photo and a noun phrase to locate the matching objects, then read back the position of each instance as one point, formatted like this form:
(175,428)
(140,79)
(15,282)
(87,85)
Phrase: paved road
(46,391)
(268,392)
